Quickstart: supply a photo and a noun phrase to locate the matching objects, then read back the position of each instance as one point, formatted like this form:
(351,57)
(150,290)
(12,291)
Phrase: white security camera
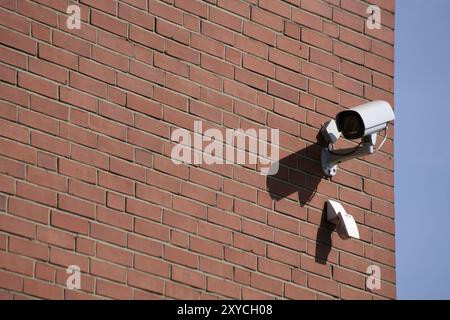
(345,223)
(364,121)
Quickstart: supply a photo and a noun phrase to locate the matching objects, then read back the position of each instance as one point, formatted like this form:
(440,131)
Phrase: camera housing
(361,122)
(365,119)
(345,223)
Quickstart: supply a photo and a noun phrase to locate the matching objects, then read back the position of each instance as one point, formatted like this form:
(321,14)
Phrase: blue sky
(422,148)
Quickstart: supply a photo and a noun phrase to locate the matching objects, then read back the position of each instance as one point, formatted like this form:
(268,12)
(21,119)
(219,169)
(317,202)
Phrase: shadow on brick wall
(301,173)
(323,238)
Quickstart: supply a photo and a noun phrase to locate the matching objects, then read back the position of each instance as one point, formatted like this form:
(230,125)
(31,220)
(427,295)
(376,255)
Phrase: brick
(46,179)
(183,86)
(254,47)
(71,44)
(145,245)
(114,290)
(241,258)
(49,107)
(69,222)
(217,66)
(260,33)
(252,294)
(108,271)
(274,269)
(348,85)
(103,5)
(11,282)
(92,157)
(186,276)
(283,255)
(298,293)
(191,22)
(165,11)
(116,183)
(177,291)
(72,204)
(307,19)
(172,31)
(148,73)
(13,131)
(38,85)
(152,229)
(97,71)
(77,98)
(258,65)
(236,6)
(108,23)
(55,237)
(196,7)
(179,221)
(163,181)
(323,285)
(349,277)
(12,168)
(45,272)
(48,70)
(109,58)
(152,265)
(266,284)
(379,64)
(215,267)
(317,7)
(379,190)
(78,171)
(251,79)
(12,57)
(115,43)
(8,111)
(88,85)
(284,59)
(8,74)
(182,257)
(355,39)
(324,91)
(18,41)
(146,38)
(283,92)
(206,247)
(153,195)
(115,147)
(15,22)
(17,226)
(108,234)
(222,287)
(267,19)
(145,282)
(135,16)
(42,290)
(292,46)
(225,19)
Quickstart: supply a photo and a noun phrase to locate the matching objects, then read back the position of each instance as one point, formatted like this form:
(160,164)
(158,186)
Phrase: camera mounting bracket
(331,159)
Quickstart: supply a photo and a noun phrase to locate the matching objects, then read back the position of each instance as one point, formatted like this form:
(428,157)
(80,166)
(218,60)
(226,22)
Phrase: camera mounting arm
(330,159)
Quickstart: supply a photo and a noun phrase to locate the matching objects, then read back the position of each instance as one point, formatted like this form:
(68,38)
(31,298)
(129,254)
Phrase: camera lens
(350,124)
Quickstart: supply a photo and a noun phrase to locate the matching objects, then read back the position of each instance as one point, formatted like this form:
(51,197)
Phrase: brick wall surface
(85,172)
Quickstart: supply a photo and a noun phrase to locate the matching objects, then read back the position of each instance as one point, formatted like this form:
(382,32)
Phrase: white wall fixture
(362,122)
(345,223)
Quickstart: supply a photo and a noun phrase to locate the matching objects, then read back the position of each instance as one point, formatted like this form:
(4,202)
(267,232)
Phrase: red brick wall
(85,170)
